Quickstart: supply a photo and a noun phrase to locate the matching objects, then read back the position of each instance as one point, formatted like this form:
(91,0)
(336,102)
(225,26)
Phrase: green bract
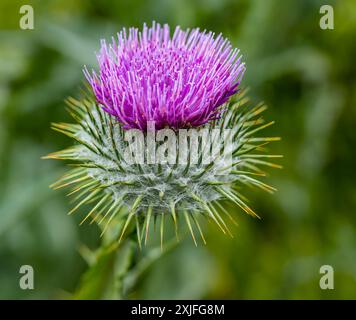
(123,191)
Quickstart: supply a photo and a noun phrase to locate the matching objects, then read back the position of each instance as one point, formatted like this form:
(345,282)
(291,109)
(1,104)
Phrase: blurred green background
(305,74)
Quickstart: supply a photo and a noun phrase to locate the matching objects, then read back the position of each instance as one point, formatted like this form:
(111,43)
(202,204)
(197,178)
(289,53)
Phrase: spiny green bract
(149,192)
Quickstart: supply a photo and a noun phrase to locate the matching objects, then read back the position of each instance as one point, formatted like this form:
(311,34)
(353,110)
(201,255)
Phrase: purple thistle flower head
(178,82)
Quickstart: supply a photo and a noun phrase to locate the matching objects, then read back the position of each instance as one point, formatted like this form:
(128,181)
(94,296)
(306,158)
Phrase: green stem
(115,269)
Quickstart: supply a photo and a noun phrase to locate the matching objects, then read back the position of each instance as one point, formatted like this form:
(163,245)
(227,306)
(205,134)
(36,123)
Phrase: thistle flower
(178,83)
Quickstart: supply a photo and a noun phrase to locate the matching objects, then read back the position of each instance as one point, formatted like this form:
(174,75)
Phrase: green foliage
(104,279)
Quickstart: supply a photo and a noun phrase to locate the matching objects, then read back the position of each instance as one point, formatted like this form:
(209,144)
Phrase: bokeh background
(305,74)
